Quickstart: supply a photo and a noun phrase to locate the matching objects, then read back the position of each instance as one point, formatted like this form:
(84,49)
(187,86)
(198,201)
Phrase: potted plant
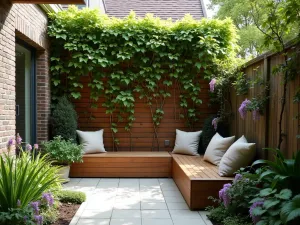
(63,152)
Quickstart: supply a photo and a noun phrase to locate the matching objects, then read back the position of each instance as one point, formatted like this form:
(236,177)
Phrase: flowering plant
(255,105)
(17,142)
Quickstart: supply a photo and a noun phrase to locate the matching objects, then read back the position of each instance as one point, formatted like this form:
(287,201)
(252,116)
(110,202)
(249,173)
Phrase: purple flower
(10,143)
(237,178)
(255,114)
(212,84)
(255,219)
(36,146)
(28,147)
(35,207)
(25,219)
(48,198)
(243,108)
(223,195)
(215,123)
(19,139)
(19,203)
(38,219)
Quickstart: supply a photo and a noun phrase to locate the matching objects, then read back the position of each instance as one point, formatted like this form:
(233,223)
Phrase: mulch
(66,213)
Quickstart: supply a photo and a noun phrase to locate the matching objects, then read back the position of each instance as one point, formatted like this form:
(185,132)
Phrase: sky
(210,13)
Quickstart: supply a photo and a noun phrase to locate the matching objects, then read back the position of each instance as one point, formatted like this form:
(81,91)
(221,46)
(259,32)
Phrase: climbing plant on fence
(130,57)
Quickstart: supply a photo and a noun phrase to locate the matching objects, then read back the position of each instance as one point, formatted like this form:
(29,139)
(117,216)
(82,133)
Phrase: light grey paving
(114,201)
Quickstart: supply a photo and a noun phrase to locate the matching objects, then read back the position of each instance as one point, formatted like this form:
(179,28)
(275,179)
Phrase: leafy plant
(62,151)
(17,216)
(218,214)
(25,178)
(241,84)
(67,196)
(64,119)
(237,220)
(156,55)
(284,173)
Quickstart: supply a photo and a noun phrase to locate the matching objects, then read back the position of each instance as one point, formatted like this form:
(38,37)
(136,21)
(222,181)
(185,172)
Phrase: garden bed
(66,213)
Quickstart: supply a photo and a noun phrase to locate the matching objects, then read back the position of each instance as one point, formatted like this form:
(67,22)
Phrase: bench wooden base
(197,180)
(124,164)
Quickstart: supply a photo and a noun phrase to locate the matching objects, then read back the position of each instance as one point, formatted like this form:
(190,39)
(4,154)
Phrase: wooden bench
(197,180)
(124,164)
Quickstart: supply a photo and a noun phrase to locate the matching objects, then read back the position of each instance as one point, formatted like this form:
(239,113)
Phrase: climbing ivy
(136,57)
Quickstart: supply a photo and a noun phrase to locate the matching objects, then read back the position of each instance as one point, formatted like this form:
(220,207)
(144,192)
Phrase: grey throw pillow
(92,141)
(187,142)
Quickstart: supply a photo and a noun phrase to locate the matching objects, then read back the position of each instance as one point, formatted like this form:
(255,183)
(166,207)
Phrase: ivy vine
(136,57)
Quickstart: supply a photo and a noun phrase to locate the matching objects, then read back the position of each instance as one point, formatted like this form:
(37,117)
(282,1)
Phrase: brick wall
(28,23)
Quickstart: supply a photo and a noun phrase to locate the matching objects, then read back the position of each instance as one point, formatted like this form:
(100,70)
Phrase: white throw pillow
(240,154)
(217,148)
(187,142)
(92,141)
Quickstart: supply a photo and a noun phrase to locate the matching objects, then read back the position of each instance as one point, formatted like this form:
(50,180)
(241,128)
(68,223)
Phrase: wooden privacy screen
(142,132)
(265,131)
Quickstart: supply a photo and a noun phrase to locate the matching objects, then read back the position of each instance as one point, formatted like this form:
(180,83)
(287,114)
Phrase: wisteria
(10,143)
(36,146)
(237,178)
(223,195)
(243,108)
(214,123)
(48,198)
(254,218)
(255,114)
(212,84)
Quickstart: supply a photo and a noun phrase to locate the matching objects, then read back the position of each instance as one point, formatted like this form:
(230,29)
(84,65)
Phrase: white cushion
(240,154)
(187,142)
(92,141)
(217,148)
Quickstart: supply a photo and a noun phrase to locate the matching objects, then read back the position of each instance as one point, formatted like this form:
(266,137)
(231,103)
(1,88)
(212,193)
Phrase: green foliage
(241,193)
(241,84)
(208,132)
(134,58)
(66,196)
(25,178)
(62,151)
(64,119)
(16,216)
(283,173)
(218,214)
(50,214)
(236,220)
(251,38)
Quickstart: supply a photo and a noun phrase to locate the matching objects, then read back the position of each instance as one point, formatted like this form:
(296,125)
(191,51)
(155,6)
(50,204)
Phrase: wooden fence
(265,131)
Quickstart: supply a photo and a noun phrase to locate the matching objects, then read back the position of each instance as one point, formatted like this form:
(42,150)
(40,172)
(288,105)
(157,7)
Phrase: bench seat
(124,164)
(197,180)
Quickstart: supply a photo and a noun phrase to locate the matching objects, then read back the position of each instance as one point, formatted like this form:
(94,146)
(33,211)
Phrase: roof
(175,9)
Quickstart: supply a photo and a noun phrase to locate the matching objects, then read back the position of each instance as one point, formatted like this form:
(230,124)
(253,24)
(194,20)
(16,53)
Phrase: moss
(66,196)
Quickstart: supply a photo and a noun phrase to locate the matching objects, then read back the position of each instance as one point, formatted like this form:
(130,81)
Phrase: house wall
(27,22)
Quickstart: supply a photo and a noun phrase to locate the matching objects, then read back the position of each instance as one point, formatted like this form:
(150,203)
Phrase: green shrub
(66,196)
(62,151)
(237,220)
(64,119)
(24,179)
(217,214)
(208,132)
(16,216)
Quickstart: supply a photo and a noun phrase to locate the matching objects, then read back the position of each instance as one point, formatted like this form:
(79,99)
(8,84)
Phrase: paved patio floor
(133,202)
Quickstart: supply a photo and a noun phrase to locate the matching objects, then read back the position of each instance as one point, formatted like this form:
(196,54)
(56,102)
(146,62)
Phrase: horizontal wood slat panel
(141,137)
(124,164)
(197,180)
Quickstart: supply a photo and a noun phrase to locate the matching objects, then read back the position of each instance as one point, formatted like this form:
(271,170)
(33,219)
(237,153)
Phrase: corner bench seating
(195,178)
